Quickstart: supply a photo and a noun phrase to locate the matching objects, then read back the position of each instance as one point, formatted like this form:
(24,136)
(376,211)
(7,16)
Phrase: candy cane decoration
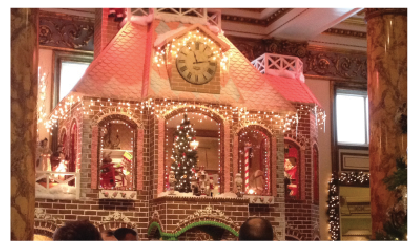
(246,168)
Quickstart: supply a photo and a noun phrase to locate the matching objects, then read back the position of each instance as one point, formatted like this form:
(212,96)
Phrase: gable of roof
(169,36)
(118,71)
(241,86)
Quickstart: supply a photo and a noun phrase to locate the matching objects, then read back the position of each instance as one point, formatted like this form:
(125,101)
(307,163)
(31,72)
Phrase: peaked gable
(241,86)
(179,32)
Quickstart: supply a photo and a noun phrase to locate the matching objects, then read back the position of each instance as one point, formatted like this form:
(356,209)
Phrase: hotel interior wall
(322,91)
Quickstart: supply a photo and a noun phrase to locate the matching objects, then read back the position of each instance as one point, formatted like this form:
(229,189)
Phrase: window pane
(350,119)
(71,73)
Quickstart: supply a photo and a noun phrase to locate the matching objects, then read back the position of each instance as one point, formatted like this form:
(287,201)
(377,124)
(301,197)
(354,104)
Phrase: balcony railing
(57,185)
(280,65)
(192,15)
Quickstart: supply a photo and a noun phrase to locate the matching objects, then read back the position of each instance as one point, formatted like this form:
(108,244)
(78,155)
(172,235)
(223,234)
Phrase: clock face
(195,63)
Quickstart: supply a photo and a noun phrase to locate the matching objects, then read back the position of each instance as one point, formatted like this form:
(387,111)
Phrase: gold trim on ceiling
(345,33)
(264,22)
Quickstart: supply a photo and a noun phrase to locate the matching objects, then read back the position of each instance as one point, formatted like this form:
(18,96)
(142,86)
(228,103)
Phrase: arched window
(292,170)
(204,143)
(117,153)
(254,150)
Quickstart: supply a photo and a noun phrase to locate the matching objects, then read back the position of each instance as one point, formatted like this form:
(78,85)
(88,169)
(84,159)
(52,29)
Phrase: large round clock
(196,63)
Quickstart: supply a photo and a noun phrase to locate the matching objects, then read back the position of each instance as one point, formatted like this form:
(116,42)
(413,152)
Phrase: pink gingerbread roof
(118,70)
(292,89)
(125,70)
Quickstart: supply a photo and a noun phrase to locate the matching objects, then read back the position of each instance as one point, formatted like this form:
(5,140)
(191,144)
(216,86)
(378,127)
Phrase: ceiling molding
(355,21)
(71,16)
(260,22)
(79,12)
(346,33)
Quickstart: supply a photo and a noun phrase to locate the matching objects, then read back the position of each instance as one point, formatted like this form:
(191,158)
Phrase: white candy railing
(214,18)
(52,175)
(188,12)
(276,64)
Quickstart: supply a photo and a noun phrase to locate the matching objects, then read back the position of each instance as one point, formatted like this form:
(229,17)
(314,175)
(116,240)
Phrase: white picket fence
(55,177)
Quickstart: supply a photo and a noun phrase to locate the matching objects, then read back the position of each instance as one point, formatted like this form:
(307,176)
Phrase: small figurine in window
(172,183)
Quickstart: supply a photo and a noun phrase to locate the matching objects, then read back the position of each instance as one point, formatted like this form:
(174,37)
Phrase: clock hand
(195,58)
(200,62)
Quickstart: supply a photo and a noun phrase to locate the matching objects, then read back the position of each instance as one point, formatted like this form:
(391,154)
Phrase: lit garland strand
(356,178)
(333,208)
(266,165)
(42,85)
(353,177)
(271,120)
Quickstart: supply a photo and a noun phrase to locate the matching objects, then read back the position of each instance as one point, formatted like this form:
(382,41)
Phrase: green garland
(174,236)
(395,228)
(399,178)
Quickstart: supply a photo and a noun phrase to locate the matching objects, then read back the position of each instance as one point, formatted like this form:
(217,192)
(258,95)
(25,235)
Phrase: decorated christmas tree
(184,155)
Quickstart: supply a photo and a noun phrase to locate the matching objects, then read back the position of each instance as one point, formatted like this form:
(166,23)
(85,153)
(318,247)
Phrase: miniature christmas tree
(184,157)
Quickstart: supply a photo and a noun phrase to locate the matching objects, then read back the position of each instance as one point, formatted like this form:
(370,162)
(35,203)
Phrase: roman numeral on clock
(196,78)
(183,53)
(197,46)
(189,75)
(212,64)
(182,61)
(210,71)
(210,56)
(205,78)
(183,68)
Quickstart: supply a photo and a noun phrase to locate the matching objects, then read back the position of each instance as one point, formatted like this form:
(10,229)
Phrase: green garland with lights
(174,236)
(345,179)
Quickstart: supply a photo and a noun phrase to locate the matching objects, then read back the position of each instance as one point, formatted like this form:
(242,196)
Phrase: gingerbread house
(257,120)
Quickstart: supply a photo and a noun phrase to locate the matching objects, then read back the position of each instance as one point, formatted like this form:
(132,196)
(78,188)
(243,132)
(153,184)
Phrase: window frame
(58,56)
(240,157)
(352,92)
(134,163)
(65,56)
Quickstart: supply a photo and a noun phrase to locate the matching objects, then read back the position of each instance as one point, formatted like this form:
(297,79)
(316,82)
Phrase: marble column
(24,70)
(387,92)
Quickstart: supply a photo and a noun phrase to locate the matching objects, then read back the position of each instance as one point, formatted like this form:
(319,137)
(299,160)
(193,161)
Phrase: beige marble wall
(387,91)
(24,63)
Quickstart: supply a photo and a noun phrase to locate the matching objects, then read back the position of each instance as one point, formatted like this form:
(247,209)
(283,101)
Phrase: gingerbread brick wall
(286,215)
(172,210)
(105,29)
(178,83)
(95,210)
(301,214)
